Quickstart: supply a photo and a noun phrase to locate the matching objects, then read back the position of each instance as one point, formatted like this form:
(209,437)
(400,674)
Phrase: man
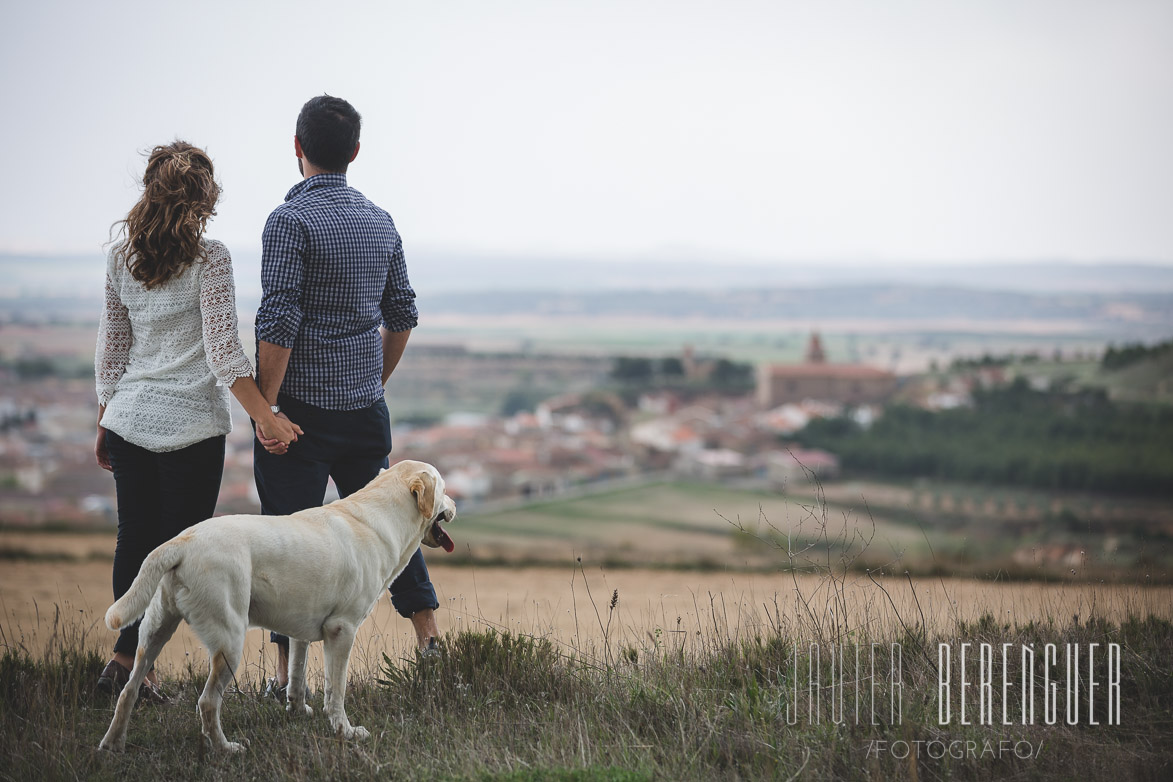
(336,313)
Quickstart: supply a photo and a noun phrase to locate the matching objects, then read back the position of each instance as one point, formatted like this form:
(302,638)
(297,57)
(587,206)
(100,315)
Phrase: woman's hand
(101,452)
(272,445)
(278,427)
(274,432)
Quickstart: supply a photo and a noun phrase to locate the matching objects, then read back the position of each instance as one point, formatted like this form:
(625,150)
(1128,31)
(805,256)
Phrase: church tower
(814,351)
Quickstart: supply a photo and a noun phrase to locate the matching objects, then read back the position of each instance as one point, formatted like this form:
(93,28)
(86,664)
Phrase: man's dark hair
(328,129)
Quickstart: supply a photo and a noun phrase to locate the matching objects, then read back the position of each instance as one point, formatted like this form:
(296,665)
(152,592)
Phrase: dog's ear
(423,488)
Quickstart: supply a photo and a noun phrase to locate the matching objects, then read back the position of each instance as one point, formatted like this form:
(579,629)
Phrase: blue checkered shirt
(332,272)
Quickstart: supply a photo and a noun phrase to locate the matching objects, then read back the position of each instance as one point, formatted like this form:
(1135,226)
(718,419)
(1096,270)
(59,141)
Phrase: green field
(682,525)
(952,529)
(753,340)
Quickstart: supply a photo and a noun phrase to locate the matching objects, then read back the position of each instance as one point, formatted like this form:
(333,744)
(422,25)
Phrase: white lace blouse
(166,357)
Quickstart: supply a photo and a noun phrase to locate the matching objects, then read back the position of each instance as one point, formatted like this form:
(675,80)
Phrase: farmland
(50,579)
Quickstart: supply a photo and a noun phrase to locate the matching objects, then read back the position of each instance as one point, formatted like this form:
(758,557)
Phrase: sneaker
(278,691)
(431,651)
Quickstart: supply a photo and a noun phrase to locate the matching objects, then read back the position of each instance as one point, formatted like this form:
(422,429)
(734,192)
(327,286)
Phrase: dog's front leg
(295,692)
(337,643)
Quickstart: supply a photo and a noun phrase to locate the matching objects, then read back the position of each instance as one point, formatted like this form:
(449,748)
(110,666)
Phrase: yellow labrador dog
(314,576)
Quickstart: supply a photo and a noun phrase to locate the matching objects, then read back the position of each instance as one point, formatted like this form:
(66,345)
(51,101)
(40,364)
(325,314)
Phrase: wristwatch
(275,408)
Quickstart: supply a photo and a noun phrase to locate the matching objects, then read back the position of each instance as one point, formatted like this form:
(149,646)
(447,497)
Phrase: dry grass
(584,673)
(553,603)
(703,699)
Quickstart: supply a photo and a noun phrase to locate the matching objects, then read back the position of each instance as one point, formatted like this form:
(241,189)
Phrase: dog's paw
(113,746)
(305,709)
(234,746)
(356,733)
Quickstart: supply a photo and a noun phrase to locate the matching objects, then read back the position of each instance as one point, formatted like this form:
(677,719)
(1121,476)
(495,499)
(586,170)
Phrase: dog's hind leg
(224,662)
(337,642)
(216,607)
(295,691)
(158,625)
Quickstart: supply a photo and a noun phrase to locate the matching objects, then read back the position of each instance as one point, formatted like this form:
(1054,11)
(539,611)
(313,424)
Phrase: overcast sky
(853,130)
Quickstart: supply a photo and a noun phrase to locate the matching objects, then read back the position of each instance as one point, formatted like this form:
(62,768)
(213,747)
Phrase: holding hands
(277,433)
(273,429)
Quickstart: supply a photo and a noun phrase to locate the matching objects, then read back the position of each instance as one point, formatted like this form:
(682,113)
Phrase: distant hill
(1130,312)
(67,274)
(458,273)
(1131,300)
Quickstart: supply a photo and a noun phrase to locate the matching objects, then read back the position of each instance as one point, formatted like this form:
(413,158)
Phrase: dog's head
(427,487)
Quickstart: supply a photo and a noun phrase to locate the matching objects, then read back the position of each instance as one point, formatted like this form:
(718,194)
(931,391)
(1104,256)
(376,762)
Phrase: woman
(167,354)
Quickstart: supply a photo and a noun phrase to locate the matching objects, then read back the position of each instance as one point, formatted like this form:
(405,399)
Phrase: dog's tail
(133,604)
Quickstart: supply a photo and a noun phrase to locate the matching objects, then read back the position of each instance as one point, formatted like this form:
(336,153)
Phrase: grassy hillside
(698,702)
(923,527)
(1146,380)
(677,524)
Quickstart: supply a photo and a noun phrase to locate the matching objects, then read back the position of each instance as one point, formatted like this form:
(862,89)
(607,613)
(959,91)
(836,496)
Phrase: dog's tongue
(441,536)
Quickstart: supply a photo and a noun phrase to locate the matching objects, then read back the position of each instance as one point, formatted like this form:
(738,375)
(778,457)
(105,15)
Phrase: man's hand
(101,452)
(272,444)
(394,343)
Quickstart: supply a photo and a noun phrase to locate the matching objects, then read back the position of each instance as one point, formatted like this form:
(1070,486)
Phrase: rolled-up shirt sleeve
(283,246)
(113,347)
(398,302)
(221,330)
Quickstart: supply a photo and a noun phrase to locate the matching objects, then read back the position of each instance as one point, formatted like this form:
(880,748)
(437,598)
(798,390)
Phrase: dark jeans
(159,496)
(350,446)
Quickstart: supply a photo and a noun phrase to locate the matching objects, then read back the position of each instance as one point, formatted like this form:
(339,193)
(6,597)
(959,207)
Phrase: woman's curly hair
(163,230)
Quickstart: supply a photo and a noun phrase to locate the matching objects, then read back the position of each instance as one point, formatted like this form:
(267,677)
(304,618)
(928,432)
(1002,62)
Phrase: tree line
(1133,353)
(1017,436)
(648,373)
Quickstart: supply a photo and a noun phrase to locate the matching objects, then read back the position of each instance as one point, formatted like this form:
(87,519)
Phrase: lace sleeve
(113,348)
(222,346)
